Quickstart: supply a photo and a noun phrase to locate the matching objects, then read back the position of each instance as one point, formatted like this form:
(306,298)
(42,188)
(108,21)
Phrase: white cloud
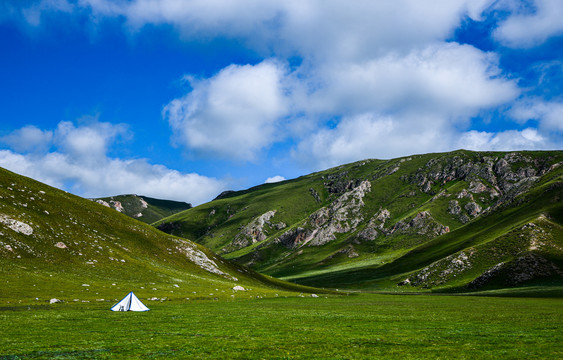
(398,105)
(313,28)
(548,113)
(381,72)
(527,139)
(445,78)
(87,143)
(525,28)
(95,174)
(28,139)
(274,179)
(233,114)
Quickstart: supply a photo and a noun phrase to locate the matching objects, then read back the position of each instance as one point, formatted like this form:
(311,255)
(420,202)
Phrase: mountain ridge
(143,208)
(374,213)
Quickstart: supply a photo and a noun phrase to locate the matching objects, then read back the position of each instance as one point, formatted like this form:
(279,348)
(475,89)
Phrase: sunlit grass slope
(432,221)
(57,245)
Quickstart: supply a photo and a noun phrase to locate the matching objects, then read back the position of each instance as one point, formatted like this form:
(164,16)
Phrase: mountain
(57,245)
(143,208)
(458,221)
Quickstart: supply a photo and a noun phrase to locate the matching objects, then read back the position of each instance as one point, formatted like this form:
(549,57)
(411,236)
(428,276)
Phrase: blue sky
(184,99)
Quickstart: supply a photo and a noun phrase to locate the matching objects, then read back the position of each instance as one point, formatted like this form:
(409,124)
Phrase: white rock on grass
(239,288)
(16,225)
(314,295)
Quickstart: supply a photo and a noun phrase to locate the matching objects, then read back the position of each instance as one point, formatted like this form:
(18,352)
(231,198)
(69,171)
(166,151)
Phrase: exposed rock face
(504,182)
(292,238)
(477,187)
(349,251)
(338,183)
(199,258)
(116,205)
(342,216)
(473,208)
(441,271)
(528,267)
(377,222)
(454,208)
(422,224)
(368,233)
(315,195)
(102,202)
(256,230)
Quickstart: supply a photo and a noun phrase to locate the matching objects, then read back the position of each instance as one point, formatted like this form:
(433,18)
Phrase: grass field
(337,327)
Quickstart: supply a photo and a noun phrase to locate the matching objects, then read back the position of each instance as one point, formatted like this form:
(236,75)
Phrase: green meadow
(329,327)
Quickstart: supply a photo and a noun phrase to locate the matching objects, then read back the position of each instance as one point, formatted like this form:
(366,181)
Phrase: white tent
(130,303)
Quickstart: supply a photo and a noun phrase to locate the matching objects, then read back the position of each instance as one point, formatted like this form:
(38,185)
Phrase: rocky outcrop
(525,268)
(16,225)
(256,230)
(375,226)
(422,224)
(292,238)
(472,208)
(340,183)
(342,216)
(315,195)
(503,178)
(199,258)
(442,271)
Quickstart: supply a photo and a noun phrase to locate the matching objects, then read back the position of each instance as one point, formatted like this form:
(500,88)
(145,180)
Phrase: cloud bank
(79,159)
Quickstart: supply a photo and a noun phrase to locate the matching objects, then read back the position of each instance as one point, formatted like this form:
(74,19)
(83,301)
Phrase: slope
(370,224)
(57,245)
(143,208)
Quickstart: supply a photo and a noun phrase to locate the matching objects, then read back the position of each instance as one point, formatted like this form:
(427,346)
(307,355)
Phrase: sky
(183,99)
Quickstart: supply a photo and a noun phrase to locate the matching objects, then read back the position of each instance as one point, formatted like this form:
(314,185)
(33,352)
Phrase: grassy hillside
(433,221)
(143,208)
(57,245)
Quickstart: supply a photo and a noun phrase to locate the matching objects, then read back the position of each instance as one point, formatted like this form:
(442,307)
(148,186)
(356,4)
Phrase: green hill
(57,245)
(463,221)
(143,208)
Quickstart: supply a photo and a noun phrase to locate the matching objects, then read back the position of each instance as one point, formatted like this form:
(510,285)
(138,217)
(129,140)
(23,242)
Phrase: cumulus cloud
(274,179)
(442,77)
(80,164)
(234,114)
(530,26)
(377,78)
(399,105)
(548,113)
(529,139)
(29,139)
